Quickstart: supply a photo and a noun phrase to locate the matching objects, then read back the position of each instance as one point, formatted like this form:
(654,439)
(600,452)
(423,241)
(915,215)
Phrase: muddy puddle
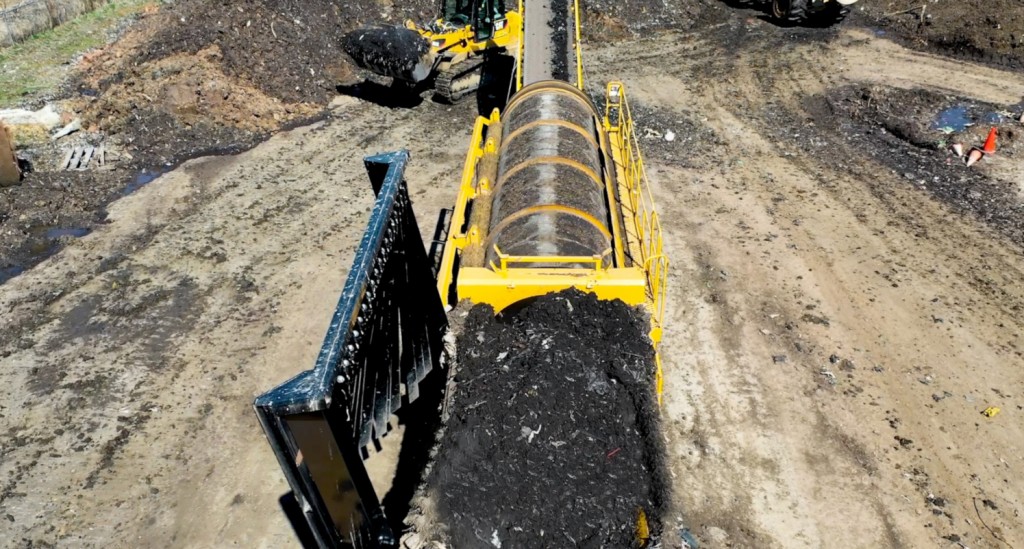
(143,178)
(958,118)
(45,240)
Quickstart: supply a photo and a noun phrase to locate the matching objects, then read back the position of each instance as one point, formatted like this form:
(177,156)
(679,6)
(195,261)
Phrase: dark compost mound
(287,48)
(552,439)
(397,52)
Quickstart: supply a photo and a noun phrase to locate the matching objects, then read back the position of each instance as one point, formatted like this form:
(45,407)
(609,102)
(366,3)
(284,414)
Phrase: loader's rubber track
(459,80)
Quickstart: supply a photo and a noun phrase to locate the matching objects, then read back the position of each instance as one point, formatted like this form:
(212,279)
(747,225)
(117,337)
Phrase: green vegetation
(41,62)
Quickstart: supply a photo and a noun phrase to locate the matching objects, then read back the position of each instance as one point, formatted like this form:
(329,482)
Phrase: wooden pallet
(80,158)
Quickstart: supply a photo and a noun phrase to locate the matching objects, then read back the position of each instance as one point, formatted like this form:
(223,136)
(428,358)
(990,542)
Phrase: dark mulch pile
(611,19)
(553,435)
(388,50)
(290,49)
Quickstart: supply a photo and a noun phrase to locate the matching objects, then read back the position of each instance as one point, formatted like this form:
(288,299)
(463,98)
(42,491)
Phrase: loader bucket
(395,52)
(383,340)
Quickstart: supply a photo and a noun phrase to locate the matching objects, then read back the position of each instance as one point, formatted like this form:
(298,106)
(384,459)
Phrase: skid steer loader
(449,52)
(814,12)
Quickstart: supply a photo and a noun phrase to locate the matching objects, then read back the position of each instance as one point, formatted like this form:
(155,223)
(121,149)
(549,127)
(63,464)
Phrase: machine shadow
(293,512)
(496,83)
(398,95)
(422,420)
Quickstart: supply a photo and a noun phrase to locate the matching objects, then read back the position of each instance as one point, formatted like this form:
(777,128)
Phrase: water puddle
(57,232)
(960,117)
(45,242)
(8,273)
(953,119)
(143,178)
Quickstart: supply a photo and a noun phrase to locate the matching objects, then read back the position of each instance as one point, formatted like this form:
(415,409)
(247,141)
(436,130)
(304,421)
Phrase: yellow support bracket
(458,236)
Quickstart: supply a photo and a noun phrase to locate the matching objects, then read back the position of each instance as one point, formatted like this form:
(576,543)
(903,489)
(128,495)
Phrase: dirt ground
(846,299)
(838,324)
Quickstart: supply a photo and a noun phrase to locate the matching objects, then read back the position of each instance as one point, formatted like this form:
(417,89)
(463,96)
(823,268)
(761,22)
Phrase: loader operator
(460,12)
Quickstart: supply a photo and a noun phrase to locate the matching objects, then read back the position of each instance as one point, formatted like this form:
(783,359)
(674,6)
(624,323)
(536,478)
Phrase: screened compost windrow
(552,438)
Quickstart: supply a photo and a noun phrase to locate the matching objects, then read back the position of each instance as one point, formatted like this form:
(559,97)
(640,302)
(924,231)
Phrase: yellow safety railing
(579,47)
(643,223)
(519,50)
(595,262)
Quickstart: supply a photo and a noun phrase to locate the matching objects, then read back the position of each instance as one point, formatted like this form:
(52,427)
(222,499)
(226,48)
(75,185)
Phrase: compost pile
(289,49)
(553,434)
(397,52)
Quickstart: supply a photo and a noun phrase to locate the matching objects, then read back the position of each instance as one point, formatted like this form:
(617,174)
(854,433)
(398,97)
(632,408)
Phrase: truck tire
(792,12)
(832,14)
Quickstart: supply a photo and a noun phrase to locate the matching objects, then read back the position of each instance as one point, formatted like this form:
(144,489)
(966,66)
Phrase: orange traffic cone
(990,143)
(974,156)
(958,149)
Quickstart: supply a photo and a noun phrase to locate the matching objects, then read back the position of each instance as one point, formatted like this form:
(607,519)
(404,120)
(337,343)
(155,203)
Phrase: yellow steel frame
(519,50)
(643,227)
(639,277)
(462,40)
(579,47)
(458,232)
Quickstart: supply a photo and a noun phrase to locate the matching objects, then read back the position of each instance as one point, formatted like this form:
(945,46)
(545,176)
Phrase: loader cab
(484,16)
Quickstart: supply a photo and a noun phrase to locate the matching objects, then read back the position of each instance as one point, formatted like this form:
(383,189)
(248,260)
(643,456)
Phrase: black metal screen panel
(384,337)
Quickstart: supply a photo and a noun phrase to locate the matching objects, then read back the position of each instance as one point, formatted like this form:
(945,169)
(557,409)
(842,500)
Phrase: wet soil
(193,79)
(905,131)
(553,437)
(990,31)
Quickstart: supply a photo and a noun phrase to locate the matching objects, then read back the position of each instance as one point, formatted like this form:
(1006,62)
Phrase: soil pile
(552,439)
(605,20)
(9,172)
(985,30)
(194,78)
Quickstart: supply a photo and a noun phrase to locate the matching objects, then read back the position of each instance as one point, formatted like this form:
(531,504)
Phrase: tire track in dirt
(132,356)
(822,311)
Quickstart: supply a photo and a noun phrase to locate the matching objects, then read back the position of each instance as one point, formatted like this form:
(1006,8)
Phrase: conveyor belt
(546,39)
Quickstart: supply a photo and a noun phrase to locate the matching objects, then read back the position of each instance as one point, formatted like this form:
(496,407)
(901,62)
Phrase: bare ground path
(835,330)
